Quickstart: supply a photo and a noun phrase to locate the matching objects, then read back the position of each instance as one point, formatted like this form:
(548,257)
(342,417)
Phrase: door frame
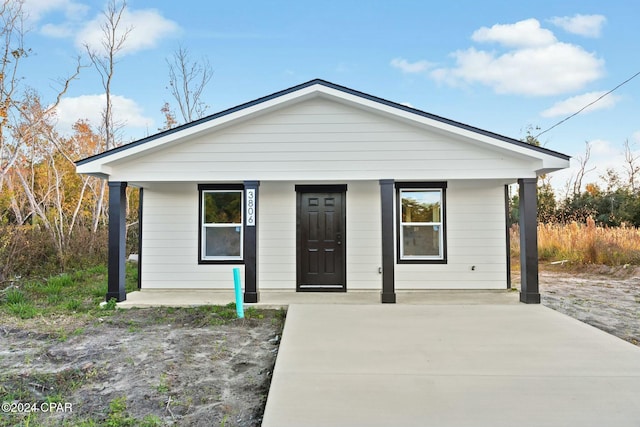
(320,188)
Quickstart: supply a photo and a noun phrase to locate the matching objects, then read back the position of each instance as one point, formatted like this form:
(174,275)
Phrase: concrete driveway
(450,365)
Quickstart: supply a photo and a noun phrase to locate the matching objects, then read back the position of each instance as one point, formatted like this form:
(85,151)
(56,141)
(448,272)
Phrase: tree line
(611,201)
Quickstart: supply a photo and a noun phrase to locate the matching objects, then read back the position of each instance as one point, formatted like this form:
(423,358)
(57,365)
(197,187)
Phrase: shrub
(25,250)
(29,250)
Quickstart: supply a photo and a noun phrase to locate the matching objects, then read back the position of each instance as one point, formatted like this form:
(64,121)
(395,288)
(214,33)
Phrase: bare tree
(43,166)
(104,60)
(582,170)
(13,51)
(22,117)
(187,81)
(631,165)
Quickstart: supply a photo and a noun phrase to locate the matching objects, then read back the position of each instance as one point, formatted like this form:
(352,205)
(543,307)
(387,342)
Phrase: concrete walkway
(450,365)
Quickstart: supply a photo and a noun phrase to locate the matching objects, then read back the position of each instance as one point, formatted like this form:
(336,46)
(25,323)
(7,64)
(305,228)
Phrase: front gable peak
(393,114)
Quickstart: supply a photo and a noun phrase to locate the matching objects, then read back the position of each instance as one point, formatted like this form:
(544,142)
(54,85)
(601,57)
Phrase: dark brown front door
(321,238)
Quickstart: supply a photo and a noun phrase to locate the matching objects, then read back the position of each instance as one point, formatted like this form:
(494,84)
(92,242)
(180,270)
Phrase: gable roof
(316,87)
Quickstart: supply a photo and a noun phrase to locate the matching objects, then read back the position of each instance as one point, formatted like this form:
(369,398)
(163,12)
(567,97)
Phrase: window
(421,228)
(221,219)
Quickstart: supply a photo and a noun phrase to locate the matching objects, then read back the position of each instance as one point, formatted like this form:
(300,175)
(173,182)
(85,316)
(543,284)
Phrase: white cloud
(636,137)
(538,71)
(603,149)
(527,33)
(575,103)
(36,9)
(57,31)
(534,63)
(410,67)
(90,107)
(583,25)
(146,27)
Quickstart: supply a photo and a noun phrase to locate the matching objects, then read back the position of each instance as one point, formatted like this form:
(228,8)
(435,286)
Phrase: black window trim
(216,187)
(442,185)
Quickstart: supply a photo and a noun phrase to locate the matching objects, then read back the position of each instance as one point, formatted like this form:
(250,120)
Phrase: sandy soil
(605,297)
(172,367)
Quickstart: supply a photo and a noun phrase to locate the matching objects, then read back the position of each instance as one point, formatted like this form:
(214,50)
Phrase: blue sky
(503,66)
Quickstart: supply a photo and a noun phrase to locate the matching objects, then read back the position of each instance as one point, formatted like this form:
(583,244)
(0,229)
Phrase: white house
(323,188)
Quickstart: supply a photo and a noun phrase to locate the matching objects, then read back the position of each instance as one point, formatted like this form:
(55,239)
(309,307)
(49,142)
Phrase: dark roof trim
(332,86)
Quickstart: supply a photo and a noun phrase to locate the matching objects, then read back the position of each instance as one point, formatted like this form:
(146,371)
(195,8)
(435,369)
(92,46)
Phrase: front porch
(474,250)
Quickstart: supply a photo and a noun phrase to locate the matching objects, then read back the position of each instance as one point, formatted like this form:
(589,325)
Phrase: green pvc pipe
(238,288)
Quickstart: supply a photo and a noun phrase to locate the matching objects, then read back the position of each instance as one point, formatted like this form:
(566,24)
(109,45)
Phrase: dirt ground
(187,367)
(148,367)
(605,297)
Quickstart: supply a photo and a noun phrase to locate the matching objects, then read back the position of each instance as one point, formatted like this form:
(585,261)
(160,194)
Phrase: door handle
(339,239)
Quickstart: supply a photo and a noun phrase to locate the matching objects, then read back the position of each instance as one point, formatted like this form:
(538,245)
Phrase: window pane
(222,241)
(223,208)
(421,240)
(420,206)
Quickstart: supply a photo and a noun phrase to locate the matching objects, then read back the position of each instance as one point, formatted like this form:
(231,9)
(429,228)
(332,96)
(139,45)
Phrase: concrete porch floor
(283,298)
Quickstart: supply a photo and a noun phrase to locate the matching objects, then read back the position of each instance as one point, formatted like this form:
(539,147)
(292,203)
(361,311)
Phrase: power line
(589,104)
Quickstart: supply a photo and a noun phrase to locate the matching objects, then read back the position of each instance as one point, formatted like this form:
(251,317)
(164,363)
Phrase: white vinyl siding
(277,236)
(364,236)
(475,238)
(170,242)
(170,238)
(324,140)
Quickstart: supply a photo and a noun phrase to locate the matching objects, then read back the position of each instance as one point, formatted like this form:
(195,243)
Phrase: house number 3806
(251,207)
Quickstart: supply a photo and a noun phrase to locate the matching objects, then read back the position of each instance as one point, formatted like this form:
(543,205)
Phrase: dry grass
(584,243)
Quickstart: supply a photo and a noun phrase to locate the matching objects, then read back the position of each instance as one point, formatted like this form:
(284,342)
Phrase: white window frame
(441,257)
(204,226)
